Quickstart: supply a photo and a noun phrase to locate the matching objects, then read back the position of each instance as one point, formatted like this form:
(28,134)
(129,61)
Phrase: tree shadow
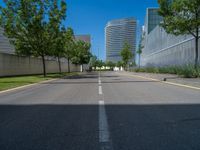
(76,127)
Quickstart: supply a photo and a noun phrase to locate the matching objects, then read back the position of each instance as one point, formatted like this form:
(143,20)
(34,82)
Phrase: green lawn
(12,82)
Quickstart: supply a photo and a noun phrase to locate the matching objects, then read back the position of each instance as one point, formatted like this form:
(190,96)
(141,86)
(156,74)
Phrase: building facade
(152,19)
(85,38)
(163,49)
(117,33)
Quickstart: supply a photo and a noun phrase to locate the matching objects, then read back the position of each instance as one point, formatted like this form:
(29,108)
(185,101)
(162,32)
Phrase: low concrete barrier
(11,65)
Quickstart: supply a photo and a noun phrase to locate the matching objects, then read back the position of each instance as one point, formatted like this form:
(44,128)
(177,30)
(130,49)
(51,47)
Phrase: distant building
(117,33)
(5,46)
(85,38)
(152,19)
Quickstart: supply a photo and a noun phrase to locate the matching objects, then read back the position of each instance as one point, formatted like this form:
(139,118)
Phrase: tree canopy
(37,29)
(34,25)
(81,53)
(181,17)
(126,54)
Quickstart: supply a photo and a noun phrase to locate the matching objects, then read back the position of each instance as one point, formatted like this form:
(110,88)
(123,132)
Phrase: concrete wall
(162,49)
(11,65)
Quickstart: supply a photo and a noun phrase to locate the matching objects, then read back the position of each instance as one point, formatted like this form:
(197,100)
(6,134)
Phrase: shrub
(187,71)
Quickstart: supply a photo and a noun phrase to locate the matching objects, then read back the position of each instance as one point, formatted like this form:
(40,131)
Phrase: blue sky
(91,16)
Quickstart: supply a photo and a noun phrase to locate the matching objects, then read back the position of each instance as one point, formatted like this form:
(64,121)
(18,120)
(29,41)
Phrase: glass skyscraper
(152,19)
(118,32)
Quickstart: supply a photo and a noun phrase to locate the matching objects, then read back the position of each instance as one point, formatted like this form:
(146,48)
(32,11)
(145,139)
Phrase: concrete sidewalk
(171,78)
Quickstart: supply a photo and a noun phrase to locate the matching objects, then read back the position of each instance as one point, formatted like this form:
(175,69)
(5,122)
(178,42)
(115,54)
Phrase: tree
(57,14)
(81,54)
(139,51)
(126,54)
(100,63)
(69,46)
(29,23)
(93,61)
(119,64)
(182,17)
(110,64)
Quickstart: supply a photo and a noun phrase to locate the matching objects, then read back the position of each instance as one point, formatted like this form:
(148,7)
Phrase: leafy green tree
(139,52)
(58,47)
(93,61)
(29,23)
(100,63)
(81,54)
(69,46)
(119,64)
(126,54)
(57,15)
(182,17)
(110,64)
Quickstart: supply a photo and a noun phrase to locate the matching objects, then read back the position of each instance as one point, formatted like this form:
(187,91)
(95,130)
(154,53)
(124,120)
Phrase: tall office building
(152,19)
(119,32)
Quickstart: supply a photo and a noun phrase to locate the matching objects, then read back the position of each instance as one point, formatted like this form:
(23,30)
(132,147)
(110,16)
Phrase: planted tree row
(36,28)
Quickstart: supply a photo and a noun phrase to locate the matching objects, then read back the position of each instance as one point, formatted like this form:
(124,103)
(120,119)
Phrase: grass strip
(13,82)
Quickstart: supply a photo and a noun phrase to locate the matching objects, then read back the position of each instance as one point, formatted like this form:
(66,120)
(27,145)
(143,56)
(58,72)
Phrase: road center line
(100,90)
(103,124)
(100,87)
(99,81)
(104,134)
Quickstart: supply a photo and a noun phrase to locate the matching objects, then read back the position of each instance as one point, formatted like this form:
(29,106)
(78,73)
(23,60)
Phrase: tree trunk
(196,49)
(44,66)
(139,60)
(59,64)
(68,62)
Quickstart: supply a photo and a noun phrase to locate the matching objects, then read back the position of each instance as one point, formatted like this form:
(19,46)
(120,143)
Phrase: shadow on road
(75,127)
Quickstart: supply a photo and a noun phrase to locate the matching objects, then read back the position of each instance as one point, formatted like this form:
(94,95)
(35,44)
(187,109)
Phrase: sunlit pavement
(105,111)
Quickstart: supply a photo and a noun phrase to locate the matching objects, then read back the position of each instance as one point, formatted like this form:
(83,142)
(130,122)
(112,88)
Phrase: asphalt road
(107,111)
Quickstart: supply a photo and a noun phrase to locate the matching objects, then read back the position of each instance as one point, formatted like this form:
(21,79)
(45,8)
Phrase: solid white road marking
(99,81)
(101,103)
(100,90)
(104,135)
(100,87)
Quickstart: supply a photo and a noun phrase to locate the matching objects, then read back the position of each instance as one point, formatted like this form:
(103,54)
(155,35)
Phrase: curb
(25,86)
(165,82)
